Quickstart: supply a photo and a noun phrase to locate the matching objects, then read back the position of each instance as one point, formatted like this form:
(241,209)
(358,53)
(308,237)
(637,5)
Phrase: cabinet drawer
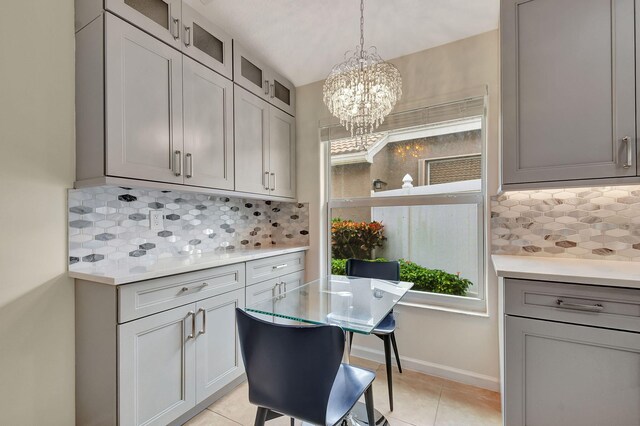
(273,267)
(609,307)
(147,297)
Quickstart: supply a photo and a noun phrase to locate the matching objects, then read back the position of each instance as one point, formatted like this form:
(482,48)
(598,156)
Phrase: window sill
(446,303)
(449,309)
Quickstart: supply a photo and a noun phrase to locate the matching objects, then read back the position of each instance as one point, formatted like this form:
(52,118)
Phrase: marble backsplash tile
(111,224)
(589,223)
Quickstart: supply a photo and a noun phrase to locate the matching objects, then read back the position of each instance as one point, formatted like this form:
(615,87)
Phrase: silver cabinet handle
(629,162)
(177,163)
(266,87)
(193,324)
(273,186)
(183,289)
(187,36)
(189,165)
(579,307)
(272,88)
(284,265)
(284,284)
(204,321)
(265,180)
(176,25)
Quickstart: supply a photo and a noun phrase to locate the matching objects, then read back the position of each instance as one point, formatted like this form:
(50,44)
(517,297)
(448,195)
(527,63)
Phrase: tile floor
(419,400)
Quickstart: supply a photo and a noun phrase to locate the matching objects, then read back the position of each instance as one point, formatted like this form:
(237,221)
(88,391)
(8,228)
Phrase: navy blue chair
(387,327)
(297,371)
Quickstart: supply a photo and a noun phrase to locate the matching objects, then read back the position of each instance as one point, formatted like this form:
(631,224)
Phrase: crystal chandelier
(362,90)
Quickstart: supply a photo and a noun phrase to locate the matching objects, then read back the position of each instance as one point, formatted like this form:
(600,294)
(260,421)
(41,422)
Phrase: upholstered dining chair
(297,371)
(387,327)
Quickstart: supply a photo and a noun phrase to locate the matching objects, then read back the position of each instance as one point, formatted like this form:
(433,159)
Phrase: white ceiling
(303,39)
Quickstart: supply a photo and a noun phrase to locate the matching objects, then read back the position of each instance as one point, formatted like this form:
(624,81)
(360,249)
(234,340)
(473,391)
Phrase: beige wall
(36,167)
(449,343)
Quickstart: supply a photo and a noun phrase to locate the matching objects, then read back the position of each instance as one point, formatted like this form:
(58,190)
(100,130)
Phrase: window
(413,192)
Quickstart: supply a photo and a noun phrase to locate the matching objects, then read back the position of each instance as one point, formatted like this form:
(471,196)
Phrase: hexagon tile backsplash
(589,223)
(111,224)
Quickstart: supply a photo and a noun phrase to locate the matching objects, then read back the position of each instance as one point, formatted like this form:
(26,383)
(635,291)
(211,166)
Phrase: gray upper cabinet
(261,80)
(568,90)
(282,154)
(251,142)
(206,43)
(208,127)
(282,93)
(143,105)
(160,18)
(265,147)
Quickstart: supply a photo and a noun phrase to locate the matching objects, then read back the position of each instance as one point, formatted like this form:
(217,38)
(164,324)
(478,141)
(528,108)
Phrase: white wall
(451,344)
(36,167)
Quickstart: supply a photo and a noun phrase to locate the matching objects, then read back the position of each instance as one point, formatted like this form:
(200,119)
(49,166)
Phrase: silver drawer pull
(204,321)
(579,307)
(284,265)
(183,289)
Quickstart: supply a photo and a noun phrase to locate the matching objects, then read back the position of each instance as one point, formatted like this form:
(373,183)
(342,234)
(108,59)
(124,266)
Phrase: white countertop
(583,271)
(127,272)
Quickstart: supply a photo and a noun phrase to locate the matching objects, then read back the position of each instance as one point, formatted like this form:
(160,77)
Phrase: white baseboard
(432,369)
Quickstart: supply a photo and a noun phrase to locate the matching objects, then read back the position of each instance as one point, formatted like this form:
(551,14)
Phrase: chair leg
(293,422)
(350,341)
(395,350)
(387,360)
(261,416)
(368,399)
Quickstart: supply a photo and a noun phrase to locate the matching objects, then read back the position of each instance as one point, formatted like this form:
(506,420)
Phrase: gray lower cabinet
(568,90)
(265,146)
(157,367)
(571,354)
(150,352)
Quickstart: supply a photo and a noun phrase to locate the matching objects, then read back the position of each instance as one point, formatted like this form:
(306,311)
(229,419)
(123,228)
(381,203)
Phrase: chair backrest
(290,369)
(381,270)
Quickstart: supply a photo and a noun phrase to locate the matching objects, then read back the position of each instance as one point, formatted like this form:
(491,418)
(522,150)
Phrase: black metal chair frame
(384,271)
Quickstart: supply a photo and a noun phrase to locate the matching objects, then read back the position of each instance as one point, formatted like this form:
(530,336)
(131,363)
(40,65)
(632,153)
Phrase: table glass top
(355,304)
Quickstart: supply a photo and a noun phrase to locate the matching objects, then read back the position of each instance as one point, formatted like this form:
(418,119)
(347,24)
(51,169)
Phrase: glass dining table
(355,304)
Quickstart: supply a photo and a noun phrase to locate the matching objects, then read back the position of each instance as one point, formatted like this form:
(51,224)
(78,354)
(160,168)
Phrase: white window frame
(475,305)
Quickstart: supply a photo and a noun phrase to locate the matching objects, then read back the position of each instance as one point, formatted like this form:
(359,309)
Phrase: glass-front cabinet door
(160,18)
(249,72)
(282,93)
(205,42)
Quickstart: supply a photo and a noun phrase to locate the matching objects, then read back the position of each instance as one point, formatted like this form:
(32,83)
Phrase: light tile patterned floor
(420,400)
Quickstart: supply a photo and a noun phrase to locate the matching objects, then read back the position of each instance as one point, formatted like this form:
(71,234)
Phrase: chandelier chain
(362,28)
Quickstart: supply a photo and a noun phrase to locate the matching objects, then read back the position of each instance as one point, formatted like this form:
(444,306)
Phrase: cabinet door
(562,374)
(144,105)
(156,367)
(260,292)
(160,18)
(282,153)
(282,93)
(251,123)
(249,72)
(208,127)
(568,90)
(218,357)
(205,42)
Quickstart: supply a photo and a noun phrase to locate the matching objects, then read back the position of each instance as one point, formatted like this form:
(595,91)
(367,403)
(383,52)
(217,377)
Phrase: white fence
(437,236)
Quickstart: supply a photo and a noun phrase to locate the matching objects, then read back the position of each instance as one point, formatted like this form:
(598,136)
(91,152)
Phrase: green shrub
(423,279)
